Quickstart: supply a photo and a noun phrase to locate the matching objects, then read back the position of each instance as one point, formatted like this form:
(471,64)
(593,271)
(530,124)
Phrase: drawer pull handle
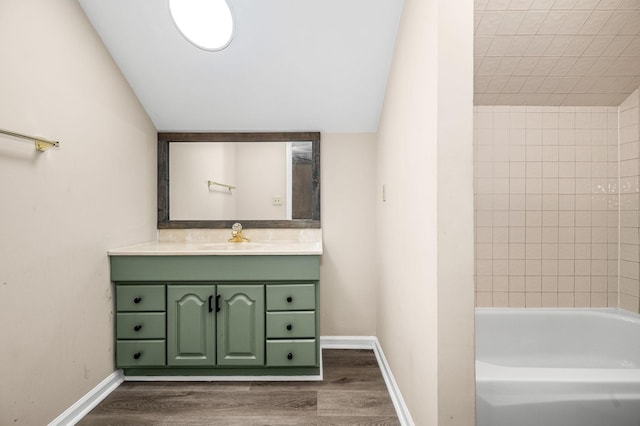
(210,303)
(289,299)
(137,327)
(289,356)
(137,355)
(289,327)
(137,300)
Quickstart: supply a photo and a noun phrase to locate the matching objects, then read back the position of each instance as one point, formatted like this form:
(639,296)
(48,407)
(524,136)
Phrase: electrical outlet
(276,200)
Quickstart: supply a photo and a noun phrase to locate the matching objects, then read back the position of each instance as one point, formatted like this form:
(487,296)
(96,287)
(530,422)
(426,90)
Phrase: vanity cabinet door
(191,325)
(241,325)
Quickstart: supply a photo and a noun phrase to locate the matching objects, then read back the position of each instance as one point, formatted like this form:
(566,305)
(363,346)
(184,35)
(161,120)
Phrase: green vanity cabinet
(217,315)
(191,325)
(141,298)
(140,325)
(291,324)
(241,324)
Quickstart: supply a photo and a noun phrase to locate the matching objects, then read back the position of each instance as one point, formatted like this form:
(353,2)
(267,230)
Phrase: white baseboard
(223,378)
(85,404)
(347,342)
(402,410)
(77,411)
(371,342)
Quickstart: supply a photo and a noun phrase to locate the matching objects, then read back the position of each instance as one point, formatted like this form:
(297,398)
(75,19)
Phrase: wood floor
(352,393)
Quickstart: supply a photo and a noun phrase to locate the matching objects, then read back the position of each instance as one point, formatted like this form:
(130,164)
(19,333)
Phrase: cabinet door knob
(137,327)
(289,327)
(289,355)
(137,355)
(137,300)
(289,299)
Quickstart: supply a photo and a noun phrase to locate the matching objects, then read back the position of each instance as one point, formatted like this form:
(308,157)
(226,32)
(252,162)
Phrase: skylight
(208,24)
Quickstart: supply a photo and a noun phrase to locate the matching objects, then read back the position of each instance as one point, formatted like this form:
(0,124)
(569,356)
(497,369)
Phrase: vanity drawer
(140,353)
(287,353)
(145,325)
(291,297)
(291,324)
(140,298)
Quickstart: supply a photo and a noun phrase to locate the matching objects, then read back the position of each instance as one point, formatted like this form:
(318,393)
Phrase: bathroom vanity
(218,309)
(198,303)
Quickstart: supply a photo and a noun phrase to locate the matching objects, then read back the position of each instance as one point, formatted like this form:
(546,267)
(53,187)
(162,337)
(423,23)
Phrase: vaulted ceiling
(292,64)
(556,52)
(323,64)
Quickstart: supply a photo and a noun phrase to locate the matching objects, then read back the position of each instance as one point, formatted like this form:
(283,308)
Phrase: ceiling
(322,65)
(556,52)
(318,65)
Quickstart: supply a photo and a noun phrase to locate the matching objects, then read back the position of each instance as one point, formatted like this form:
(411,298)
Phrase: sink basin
(248,245)
(232,246)
(263,247)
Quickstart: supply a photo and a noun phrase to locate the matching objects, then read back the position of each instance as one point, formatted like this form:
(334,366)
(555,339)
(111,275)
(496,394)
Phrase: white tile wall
(629,208)
(546,185)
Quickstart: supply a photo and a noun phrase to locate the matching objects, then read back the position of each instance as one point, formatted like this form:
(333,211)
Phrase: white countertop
(193,244)
(163,248)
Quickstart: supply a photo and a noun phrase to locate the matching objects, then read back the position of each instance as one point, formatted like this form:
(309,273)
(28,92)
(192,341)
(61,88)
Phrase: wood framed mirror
(262,180)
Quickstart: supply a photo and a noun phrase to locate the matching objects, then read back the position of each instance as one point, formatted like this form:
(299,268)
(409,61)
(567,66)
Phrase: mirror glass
(240,180)
(211,180)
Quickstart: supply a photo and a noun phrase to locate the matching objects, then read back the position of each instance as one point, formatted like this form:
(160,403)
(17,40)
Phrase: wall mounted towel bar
(41,143)
(229,187)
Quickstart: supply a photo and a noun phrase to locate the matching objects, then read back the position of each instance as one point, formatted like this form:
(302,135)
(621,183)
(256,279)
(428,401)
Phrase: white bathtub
(557,367)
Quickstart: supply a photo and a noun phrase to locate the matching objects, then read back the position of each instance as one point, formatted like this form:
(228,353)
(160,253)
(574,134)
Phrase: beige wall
(62,209)
(191,166)
(456,344)
(347,271)
(261,175)
(425,235)
(546,206)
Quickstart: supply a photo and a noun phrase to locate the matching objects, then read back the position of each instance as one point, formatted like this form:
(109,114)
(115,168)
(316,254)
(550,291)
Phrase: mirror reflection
(240,180)
(264,180)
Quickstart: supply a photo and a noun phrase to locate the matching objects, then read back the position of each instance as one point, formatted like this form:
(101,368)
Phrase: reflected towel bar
(41,143)
(229,187)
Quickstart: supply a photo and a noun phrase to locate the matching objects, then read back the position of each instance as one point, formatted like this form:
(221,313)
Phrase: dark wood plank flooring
(352,393)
